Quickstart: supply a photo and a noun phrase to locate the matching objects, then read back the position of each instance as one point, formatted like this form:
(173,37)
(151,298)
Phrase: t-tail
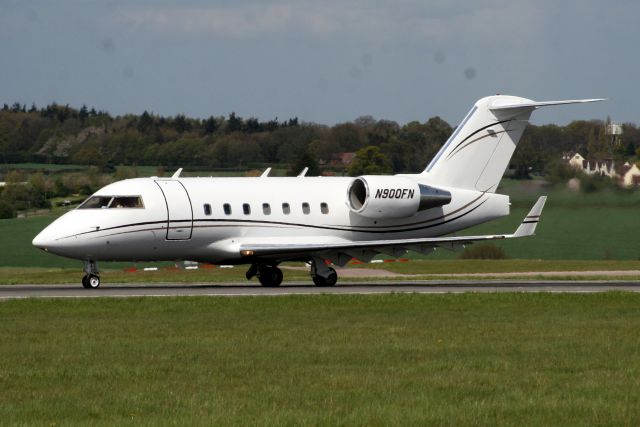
(478,152)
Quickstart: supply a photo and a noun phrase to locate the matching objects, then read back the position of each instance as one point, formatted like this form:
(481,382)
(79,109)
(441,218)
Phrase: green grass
(597,233)
(17,251)
(489,359)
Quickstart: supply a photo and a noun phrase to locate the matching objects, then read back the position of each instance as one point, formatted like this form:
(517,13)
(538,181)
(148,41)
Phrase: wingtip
(530,222)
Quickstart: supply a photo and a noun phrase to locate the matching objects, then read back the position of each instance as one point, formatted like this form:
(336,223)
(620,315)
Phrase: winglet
(177,174)
(529,223)
(303,172)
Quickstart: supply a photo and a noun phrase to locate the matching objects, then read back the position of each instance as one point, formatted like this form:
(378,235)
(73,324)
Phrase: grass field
(507,359)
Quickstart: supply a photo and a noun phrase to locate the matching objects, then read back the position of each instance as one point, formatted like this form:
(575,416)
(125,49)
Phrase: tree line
(86,136)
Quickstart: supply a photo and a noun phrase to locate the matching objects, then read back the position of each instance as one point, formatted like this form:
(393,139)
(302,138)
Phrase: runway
(368,287)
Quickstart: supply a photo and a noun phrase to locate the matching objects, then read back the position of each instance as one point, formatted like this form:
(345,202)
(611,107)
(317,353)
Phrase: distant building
(626,175)
(629,175)
(604,167)
(614,131)
(342,159)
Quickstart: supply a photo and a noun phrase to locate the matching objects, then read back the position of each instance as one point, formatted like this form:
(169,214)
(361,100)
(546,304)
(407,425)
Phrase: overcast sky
(322,61)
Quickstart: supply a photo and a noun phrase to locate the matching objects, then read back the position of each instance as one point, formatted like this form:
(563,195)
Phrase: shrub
(483,251)
(6,210)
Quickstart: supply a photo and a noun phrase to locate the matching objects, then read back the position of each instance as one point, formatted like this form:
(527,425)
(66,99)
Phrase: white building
(627,175)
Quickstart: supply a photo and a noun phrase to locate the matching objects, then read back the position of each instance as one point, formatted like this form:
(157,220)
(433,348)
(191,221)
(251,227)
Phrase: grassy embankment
(509,359)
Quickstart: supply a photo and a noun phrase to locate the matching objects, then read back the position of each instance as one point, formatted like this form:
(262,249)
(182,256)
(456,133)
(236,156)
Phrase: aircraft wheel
(270,276)
(93,281)
(85,281)
(330,280)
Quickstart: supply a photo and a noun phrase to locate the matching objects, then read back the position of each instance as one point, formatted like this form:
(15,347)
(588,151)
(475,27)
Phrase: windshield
(112,202)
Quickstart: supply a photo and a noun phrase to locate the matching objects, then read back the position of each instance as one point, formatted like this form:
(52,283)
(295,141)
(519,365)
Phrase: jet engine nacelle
(374,196)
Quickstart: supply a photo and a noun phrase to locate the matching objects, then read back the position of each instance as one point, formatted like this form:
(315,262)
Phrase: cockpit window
(126,202)
(96,202)
(112,202)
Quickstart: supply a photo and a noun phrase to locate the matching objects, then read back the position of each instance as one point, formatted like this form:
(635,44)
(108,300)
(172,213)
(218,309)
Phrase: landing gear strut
(91,279)
(322,274)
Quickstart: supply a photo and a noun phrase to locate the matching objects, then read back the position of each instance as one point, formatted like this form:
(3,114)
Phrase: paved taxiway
(206,289)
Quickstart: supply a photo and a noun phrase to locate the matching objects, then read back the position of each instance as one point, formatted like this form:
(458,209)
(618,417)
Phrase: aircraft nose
(42,241)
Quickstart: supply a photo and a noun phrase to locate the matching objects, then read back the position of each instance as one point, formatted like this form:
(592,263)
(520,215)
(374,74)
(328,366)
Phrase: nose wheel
(91,279)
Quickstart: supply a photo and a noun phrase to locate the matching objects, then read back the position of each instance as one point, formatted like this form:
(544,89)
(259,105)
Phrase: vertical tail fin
(479,150)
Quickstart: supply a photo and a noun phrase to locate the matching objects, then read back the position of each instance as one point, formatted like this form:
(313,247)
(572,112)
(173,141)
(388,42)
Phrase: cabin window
(266,209)
(246,208)
(207,209)
(227,208)
(112,202)
(324,208)
(286,209)
(305,208)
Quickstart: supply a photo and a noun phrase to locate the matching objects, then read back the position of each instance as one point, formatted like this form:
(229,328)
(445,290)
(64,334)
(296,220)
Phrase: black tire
(85,281)
(93,281)
(331,280)
(270,276)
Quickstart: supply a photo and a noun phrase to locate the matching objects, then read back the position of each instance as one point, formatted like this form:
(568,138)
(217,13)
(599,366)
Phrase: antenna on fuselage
(265,173)
(303,173)
(177,174)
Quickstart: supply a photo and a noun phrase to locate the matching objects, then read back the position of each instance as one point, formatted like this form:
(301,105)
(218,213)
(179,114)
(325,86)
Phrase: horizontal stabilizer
(498,106)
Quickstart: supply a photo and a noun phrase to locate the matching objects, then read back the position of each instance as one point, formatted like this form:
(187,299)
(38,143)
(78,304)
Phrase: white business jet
(263,221)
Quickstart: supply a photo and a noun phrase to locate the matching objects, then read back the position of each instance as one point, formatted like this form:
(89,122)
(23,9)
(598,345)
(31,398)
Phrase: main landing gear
(322,274)
(91,279)
(268,275)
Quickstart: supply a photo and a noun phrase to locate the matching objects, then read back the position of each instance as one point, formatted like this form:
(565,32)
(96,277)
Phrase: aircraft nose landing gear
(91,279)
(269,276)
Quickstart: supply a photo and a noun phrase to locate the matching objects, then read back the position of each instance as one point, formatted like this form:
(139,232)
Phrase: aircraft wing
(340,251)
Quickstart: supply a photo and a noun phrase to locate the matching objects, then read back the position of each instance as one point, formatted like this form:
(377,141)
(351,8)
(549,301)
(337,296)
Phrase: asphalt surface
(368,287)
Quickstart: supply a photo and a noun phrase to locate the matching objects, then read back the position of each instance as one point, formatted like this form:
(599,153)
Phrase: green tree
(234,124)
(210,125)
(597,146)
(349,136)
(38,191)
(523,160)
(305,160)
(370,161)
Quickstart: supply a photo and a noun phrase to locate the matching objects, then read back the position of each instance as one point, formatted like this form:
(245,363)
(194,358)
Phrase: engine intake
(375,196)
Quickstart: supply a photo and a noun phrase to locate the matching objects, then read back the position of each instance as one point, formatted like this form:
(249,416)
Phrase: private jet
(324,221)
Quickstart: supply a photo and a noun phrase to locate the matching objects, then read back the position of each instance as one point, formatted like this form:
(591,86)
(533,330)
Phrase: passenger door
(179,210)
